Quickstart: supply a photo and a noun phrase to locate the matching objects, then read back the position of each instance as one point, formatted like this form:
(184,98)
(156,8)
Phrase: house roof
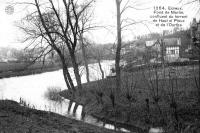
(172,42)
(152,43)
(167,42)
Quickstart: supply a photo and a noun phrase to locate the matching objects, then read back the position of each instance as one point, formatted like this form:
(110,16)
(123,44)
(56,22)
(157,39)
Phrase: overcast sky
(105,15)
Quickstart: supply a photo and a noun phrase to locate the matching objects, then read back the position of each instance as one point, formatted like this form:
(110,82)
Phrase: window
(173,51)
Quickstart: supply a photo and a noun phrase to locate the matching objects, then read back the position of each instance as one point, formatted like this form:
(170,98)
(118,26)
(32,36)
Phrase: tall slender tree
(121,8)
(119,44)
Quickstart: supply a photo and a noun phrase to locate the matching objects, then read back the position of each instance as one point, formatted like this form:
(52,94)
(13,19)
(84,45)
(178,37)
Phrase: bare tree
(86,17)
(83,49)
(57,27)
(120,9)
(98,54)
(119,43)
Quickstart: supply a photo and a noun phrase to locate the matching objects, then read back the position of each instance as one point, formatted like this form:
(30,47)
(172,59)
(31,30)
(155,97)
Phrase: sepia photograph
(99,66)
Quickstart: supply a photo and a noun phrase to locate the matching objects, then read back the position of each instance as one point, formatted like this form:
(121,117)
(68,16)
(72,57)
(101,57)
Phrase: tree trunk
(76,71)
(66,79)
(85,59)
(83,113)
(198,80)
(100,67)
(75,108)
(117,58)
(66,74)
(69,107)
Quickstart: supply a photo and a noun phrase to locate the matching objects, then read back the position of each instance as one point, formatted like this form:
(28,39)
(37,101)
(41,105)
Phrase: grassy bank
(12,69)
(18,119)
(149,98)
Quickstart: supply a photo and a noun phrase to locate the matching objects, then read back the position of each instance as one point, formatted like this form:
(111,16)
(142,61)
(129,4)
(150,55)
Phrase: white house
(172,48)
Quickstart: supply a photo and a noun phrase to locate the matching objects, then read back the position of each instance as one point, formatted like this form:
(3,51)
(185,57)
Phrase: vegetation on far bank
(12,69)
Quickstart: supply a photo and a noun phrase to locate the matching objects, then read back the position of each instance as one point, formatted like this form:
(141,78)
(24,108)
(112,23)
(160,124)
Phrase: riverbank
(14,69)
(15,118)
(150,98)
(9,74)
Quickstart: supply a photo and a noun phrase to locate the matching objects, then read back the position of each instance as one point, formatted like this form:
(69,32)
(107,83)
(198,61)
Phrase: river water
(32,88)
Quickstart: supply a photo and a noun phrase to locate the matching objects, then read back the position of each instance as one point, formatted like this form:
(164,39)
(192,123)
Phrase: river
(32,88)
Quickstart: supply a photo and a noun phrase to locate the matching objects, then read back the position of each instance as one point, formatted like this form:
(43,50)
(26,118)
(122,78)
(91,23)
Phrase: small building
(172,49)
(169,46)
(154,44)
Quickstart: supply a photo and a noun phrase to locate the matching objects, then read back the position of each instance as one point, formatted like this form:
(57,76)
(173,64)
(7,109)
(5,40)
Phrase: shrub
(53,94)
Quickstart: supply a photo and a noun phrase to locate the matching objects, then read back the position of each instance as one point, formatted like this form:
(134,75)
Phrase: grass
(147,99)
(19,119)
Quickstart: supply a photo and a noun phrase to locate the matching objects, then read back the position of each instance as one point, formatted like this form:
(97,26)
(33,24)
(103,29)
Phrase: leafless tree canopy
(58,26)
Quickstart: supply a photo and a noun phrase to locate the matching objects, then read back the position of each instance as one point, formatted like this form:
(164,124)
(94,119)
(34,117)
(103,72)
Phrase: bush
(53,94)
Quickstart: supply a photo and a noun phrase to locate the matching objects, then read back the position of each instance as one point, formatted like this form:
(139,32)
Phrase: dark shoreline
(10,74)
(28,69)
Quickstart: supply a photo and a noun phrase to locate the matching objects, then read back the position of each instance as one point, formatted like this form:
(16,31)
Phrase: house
(154,44)
(172,48)
(169,46)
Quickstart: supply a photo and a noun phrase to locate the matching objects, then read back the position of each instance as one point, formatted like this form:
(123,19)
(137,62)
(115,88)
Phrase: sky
(104,14)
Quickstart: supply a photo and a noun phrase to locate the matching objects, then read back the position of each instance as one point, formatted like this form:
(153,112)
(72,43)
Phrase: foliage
(53,94)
